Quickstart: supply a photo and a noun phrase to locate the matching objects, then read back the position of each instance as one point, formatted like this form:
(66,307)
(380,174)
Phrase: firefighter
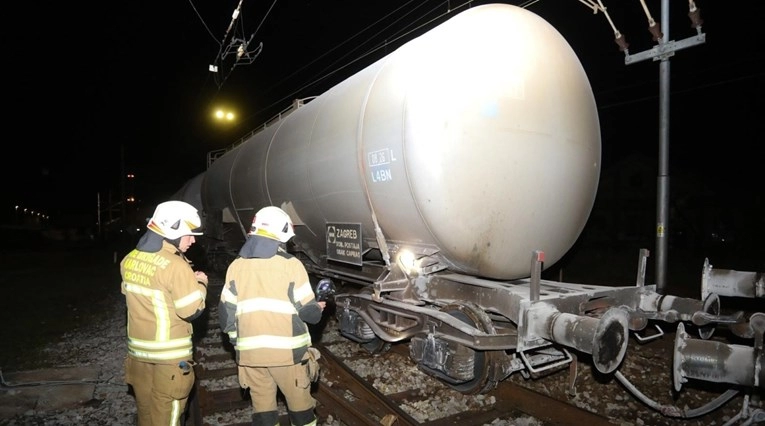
(163,295)
(265,306)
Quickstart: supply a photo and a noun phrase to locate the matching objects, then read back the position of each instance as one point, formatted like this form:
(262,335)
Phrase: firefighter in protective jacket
(163,295)
(266,302)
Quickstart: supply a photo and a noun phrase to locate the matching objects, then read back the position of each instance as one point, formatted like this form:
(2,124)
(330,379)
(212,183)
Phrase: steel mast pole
(662,52)
(662,180)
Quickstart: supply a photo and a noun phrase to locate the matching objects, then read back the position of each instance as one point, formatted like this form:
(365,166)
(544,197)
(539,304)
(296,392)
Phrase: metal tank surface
(476,143)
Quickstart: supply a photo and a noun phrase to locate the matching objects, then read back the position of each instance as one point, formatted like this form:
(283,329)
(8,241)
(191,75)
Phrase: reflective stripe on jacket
(162,294)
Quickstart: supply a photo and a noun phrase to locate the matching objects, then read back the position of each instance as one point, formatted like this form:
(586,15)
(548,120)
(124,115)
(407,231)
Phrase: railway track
(360,388)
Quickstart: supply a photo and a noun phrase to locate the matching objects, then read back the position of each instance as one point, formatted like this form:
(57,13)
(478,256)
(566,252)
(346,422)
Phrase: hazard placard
(344,242)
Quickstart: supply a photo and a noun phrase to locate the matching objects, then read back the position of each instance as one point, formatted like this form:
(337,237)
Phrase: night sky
(101,90)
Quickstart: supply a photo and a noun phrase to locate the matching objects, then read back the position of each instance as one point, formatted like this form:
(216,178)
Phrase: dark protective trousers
(292,381)
(161,391)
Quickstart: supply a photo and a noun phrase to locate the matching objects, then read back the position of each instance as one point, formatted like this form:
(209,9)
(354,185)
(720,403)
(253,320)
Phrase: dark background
(98,90)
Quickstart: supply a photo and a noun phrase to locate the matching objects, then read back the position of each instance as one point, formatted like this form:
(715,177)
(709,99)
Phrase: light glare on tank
(407,261)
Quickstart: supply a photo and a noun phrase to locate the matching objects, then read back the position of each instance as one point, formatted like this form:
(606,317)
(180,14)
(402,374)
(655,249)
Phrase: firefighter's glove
(313,367)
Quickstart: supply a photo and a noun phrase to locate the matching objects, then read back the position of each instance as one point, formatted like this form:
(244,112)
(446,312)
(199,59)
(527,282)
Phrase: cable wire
(674,411)
(204,24)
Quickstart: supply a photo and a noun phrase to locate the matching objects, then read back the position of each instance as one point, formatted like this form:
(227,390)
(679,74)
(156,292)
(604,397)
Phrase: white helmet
(274,223)
(174,219)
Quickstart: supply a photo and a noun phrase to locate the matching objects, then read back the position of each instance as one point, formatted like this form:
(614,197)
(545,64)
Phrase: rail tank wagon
(441,180)
(475,143)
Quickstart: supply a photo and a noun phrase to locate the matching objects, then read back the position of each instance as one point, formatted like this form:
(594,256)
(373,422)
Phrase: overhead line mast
(662,51)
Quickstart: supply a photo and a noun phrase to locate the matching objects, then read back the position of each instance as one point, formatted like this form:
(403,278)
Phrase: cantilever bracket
(662,51)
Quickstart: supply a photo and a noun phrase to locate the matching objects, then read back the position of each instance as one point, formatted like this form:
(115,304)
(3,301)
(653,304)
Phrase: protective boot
(268,418)
(302,418)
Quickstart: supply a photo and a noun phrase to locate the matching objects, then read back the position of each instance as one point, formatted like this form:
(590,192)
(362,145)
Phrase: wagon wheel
(376,346)
(484,361)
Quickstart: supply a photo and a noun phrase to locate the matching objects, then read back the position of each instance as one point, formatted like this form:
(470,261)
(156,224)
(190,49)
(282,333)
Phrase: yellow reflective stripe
(159,356)
(161,314)
(264,233)
(188,300)
(273,342)
(139,289)
(265,304)
(175,414)
(303,292)
(232,334)
(181,342)
(176,348)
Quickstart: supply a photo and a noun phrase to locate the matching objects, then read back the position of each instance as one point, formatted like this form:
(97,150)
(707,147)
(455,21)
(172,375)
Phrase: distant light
(224,115)
(213,68)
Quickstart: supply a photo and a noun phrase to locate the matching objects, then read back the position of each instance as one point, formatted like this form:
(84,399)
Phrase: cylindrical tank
(479,138)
